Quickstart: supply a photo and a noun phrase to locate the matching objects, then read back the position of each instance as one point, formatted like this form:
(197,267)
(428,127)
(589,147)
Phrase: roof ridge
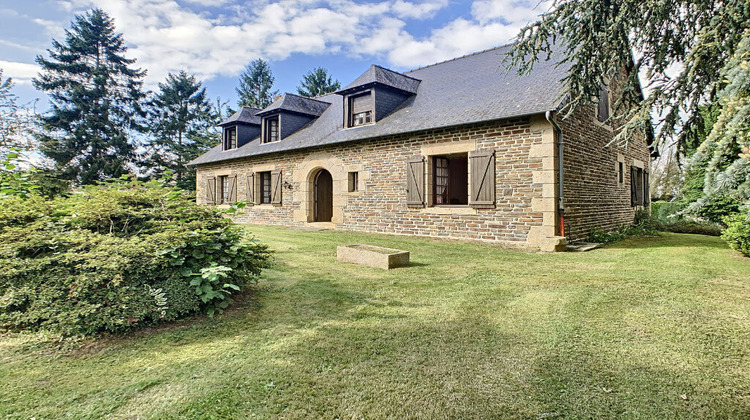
(394,71)
(307,97)
(459,58)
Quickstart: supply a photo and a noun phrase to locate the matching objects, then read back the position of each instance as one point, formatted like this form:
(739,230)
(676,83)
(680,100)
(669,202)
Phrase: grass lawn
(645,328)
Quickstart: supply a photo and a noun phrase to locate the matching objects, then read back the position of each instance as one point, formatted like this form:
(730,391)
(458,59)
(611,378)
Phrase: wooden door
(323,196)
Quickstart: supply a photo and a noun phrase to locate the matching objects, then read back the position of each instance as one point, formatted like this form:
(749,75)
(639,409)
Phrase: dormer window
(360,109)
(230,138)
(271,129)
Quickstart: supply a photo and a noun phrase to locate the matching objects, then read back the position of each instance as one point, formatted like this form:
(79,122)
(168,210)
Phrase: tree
(16,120)
(599,38)
(317,82)
(181,119)
(95,99)
(707,42)
(256,83)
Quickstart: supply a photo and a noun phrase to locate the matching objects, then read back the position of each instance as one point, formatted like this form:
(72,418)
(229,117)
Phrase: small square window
(353,181)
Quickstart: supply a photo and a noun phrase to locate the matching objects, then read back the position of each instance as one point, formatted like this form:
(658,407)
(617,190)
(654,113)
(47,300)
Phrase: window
(271,129)
(224,183)
(602,112)
(639,187)
(265,187)
(450,180)
(620,173)
(353,181)
(360,109)
(230,138)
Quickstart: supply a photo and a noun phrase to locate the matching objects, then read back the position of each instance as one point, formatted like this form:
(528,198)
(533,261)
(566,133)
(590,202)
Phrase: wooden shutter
(602,113)
(633,188)
(415,183)
(482,179)
(646,189)
(251,188)
(232,189)
(211,190)
(276,187)
(361,103)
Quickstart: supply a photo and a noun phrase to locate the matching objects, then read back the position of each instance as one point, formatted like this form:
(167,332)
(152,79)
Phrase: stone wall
(380,203)
(525,182)
(593,195)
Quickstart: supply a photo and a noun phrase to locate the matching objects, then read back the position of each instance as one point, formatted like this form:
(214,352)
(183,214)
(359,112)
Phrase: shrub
(118,256)
(642,225)
(737,233)
(670,217)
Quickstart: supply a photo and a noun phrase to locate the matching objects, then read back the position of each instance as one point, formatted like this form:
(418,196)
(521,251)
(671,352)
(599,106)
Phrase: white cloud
(166,36)
(21,73)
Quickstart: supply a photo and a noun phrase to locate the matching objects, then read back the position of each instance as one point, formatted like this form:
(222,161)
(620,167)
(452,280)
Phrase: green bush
(669,216)
(737,233)
(642,225)
(118,256)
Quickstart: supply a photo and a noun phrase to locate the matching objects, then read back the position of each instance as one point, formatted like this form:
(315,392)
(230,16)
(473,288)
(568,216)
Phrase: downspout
(560,173)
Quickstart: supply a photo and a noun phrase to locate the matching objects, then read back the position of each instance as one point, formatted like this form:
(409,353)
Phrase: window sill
(455,209)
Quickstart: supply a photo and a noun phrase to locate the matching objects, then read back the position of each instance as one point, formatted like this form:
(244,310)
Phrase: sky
(216,39)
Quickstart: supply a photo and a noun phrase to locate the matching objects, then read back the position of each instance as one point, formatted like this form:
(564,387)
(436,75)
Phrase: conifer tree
(317,82)
(181,119)
(16,119)
(95,98)
(255,87)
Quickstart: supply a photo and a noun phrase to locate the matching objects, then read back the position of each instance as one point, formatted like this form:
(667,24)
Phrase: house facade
(460,149)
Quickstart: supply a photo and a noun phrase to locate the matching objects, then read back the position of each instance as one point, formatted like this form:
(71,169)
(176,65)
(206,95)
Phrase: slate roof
(464,90)
(376,74)
(296,103)
(246,115)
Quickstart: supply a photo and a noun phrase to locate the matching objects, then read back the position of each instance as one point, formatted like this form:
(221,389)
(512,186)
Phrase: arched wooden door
(323,196)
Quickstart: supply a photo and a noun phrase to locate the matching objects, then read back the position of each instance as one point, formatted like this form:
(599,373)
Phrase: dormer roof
(246,115)
(296,103)
(376,75)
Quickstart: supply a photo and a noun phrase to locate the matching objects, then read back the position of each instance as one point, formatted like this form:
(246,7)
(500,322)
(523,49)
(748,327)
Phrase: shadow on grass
(670,240)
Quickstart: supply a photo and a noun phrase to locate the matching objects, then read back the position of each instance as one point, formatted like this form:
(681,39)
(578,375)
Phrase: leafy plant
(737,233)
(117,256)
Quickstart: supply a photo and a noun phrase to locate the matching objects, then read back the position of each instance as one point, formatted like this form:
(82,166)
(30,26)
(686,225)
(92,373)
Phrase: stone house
(460,149)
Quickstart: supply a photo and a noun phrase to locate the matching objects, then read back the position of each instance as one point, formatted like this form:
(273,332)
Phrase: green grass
(644,328)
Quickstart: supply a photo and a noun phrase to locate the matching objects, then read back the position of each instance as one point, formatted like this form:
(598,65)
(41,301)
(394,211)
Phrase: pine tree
(317,82)
(181,119)
(95,99)
(600,38)
(256,83)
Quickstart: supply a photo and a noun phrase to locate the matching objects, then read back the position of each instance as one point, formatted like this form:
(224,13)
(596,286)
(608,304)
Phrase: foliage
(737,233)
(15,182)
(16,120)
(596,40)
(724,157)
(181,121)
(642,225)
(95,99)
(255,87)
(116,256)
(317,82)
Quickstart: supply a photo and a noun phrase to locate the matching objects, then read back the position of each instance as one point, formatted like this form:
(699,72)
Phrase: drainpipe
(560,174)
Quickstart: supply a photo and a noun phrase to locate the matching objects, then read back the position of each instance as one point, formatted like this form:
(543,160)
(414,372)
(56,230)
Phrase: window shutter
(276,187)
(415,183)
(646,189)
(361,103)
(482,179)
(251,188)
(633,188)
(233,189)
(603,111)
(211,190)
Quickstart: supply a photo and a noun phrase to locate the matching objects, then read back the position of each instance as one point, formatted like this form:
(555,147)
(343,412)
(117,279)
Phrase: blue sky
(215,39)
